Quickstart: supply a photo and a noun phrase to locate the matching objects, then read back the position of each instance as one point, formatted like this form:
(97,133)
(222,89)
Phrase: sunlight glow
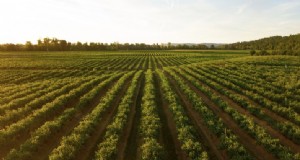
(148,21)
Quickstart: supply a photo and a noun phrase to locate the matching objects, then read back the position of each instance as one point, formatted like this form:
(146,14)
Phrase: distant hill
(287,43)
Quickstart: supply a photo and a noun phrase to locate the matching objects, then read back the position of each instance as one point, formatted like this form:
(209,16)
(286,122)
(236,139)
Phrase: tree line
(276,45)
(54,44)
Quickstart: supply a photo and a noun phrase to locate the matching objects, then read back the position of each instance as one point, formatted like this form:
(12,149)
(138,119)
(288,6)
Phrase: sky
(147,21)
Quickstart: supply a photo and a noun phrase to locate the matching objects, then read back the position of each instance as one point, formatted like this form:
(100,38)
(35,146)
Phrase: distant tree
(54,44)
(63,45)
(28,46)
(46,43)
(252,52)
(277,45)
(78,46)
(169,45)
(202,46)
(10,47)
(40,45)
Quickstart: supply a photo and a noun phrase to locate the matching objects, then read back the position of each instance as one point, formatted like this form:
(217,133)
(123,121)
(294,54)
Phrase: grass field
(149,105)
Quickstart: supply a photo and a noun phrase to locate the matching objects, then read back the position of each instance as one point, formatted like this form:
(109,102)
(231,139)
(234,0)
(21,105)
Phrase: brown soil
(16,141)
(126,144)
(211,141)
(132,64)
(157,64)
(134,140)
(45,149)
(274,133)
(271,114)
(32,108)
(265,110)
(147,62)
(139,65)
(90,146)
(249,143)
(162,62)
(168,132)
(152,63)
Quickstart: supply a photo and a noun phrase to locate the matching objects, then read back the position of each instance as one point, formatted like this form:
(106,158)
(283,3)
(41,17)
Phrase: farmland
(149,105)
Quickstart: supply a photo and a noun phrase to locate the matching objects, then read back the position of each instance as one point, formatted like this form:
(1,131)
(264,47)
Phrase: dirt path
(266,110)
(249,143)
(157,64)
(211,141)
(45,149)
(139,65)
(90,146)
(153,67)
(124,140)
(132,139)
(21,138)
(168,130)
(147,62)
(274,133)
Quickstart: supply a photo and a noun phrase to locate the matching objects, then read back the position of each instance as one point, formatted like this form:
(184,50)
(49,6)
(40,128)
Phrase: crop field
(149,105)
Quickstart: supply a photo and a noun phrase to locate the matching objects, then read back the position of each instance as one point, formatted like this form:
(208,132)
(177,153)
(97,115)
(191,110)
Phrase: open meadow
(180,104)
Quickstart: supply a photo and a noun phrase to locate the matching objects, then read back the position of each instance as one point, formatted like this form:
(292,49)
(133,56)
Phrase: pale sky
(147,21)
